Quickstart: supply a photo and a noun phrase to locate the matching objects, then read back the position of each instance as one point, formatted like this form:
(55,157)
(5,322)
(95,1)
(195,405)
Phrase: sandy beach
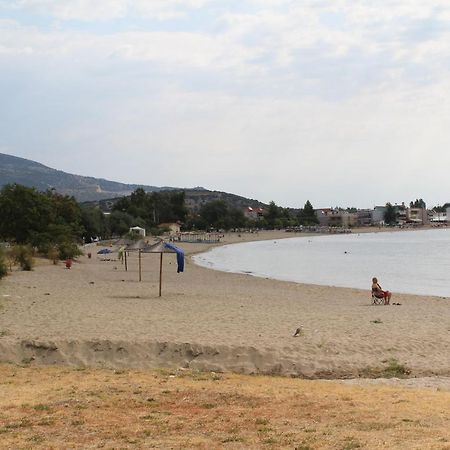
(99,315)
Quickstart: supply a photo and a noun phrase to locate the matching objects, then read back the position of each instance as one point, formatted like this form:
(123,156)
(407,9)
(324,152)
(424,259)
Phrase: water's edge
(397,282)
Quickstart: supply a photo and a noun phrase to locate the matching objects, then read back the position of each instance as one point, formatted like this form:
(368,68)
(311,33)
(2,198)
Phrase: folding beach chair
(377,300)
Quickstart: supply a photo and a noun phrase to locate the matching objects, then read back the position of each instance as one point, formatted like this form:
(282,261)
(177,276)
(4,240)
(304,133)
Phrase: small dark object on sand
(297,332)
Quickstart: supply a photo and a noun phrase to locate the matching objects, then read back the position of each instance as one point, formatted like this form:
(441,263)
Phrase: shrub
(41,242)
(10,259)
(23,255)
(155,231)
(3,265)
(69,250)
(53,254)
(132,236)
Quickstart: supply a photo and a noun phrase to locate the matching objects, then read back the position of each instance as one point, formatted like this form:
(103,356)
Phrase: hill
(89,189)
(33,174)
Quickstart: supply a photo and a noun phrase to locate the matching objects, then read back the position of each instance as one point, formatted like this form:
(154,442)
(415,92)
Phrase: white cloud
(103,10)
(270,39)
(274,99)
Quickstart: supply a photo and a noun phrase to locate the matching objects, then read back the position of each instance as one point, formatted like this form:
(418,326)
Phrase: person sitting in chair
(379,293)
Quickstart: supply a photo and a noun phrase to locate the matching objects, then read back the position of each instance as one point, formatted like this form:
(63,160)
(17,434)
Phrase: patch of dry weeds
(49,407)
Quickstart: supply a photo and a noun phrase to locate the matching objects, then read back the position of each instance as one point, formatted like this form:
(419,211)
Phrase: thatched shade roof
(159,247)
(136,245)
(145,247)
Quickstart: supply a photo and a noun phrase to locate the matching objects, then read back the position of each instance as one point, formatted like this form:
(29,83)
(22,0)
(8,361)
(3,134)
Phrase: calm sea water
(416,262)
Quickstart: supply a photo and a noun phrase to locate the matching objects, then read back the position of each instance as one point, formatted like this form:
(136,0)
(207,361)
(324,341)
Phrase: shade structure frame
(158,247)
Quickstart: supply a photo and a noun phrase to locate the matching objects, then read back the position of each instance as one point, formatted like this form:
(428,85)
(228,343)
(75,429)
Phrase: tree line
(46,219)
(55,225)
(43,219)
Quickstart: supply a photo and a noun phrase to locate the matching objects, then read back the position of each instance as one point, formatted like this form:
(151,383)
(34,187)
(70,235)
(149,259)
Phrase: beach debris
(298,331)
(91,282)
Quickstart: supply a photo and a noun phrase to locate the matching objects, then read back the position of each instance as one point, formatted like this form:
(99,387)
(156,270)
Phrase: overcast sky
(344,103)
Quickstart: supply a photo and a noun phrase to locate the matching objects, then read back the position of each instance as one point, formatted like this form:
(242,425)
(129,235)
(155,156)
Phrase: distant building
(329,217)
(438,216)
(401,212)
(349,219)
(378,215)
(417,215)
(323,216)
(364,217)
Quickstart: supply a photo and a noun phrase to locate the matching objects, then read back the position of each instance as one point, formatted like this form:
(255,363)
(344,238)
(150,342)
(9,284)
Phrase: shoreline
(98,315)
(282,235)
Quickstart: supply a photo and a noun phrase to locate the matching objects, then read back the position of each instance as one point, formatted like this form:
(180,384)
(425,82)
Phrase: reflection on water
(416,262)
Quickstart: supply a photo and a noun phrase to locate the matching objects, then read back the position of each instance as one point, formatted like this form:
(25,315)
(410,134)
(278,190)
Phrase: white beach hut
(138,230)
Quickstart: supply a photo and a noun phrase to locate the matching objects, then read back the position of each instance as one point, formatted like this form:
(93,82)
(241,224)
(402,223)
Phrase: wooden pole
(126,265)
(140,265)
(160,273)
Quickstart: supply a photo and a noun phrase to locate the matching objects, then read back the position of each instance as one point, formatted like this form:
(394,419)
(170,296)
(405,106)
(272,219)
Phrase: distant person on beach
(378,292)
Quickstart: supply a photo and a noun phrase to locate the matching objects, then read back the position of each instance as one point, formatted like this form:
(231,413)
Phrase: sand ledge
(152,354)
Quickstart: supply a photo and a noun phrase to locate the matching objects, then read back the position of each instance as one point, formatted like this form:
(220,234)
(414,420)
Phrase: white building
(439,217)
(378,215)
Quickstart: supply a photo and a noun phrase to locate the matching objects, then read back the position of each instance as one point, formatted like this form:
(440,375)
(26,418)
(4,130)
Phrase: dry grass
(68,408)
